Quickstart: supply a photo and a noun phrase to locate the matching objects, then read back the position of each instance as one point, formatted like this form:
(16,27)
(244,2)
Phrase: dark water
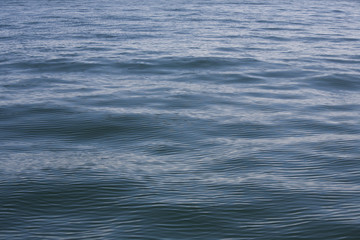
(216,119)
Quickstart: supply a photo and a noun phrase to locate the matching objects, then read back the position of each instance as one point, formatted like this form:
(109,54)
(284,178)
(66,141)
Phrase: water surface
(179,119)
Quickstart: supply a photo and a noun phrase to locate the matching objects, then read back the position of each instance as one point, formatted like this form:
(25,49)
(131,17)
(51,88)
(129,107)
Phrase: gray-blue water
(218,119)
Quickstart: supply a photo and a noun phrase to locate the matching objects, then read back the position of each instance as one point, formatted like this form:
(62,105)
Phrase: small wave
(229,78)
(334,82)
(243,130)
(56,65)
(342,60)
(79,127)
(41,82)
(313,125)
(186,63)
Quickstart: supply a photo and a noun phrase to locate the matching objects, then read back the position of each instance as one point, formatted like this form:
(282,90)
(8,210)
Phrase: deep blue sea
(177,119)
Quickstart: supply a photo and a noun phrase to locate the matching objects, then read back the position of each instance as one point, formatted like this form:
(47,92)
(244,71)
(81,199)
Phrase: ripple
(336,81)
(189,120)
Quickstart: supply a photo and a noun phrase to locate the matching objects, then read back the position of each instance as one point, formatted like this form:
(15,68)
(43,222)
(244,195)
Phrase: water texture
(216,119)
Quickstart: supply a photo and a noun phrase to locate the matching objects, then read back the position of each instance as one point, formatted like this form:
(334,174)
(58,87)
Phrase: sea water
(218,119)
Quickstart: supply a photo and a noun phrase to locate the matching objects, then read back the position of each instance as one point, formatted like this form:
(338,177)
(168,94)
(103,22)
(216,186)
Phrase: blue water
(216,119)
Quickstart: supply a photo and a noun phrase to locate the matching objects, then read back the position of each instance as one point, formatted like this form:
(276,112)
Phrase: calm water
(217,119)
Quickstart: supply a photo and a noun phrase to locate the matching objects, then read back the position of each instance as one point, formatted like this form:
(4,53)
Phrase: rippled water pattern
(217,119)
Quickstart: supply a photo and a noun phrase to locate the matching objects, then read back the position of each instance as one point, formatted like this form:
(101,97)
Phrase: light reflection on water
(182,120)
